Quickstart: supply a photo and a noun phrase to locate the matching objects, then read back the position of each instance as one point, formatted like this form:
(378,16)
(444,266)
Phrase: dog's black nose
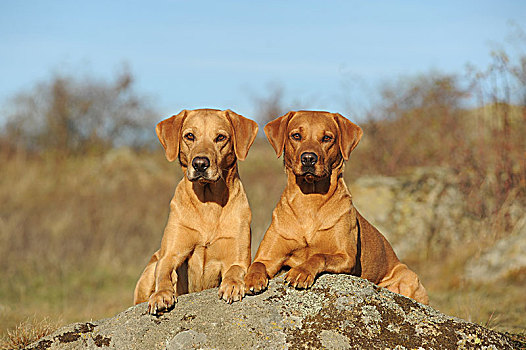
(309,158)
(200,164)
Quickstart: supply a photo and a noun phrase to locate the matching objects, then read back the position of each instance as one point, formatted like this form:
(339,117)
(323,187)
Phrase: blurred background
(438,88)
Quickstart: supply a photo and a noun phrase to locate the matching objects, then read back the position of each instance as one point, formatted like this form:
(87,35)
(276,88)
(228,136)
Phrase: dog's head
(314,142)
(207,141)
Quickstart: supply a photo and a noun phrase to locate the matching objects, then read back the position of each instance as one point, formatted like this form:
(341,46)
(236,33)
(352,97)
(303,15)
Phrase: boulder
(424,215)
(338,312)
(506,257)
(421,214)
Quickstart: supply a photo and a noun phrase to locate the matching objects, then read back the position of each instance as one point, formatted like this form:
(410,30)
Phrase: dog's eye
(220,138)
(296,136)
(326,138)
(189,136)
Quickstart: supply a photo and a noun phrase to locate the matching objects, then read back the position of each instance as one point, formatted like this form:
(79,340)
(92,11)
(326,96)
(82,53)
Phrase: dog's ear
(276,132)
(350,135)
(169,132)
(245,131)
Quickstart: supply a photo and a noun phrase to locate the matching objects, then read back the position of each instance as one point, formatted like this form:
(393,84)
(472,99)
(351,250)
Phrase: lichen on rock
(338,312)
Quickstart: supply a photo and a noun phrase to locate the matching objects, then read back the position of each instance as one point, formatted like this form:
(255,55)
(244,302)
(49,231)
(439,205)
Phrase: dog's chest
(315,222)
(319,218)
(211,233)
(204,269)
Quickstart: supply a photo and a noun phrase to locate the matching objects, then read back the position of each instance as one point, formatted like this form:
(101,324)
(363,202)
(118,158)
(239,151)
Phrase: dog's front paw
(256,279)
(299,277)
(232,290)
(161,301)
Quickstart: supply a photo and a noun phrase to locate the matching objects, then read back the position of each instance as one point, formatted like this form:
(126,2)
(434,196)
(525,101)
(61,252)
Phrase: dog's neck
(216,192)
(316,186)
(314,198)
(324,187)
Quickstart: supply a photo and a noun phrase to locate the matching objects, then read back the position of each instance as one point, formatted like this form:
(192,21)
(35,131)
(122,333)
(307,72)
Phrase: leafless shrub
(69,115)
(474,124)
(271,106)
(415,125)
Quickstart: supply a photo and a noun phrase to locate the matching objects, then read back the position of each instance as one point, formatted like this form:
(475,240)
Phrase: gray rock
(505,257)
(421,214)
(339,312)
(424,215)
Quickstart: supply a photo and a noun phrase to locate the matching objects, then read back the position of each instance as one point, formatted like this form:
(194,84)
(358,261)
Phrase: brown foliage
(68,115)
(424,123)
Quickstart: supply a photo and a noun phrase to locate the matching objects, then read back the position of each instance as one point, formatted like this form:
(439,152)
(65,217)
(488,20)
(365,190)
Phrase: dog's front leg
(235,256)
(303,275)
(164,297)
(176,246)
(271,254)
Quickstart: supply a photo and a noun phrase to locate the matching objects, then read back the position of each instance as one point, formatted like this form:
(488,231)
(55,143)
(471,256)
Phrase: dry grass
(75,232)
(28,331)
(71,232)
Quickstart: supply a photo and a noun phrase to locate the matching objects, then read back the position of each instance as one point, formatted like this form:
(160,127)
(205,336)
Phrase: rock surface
(339,312)
(422,213)
(506,257)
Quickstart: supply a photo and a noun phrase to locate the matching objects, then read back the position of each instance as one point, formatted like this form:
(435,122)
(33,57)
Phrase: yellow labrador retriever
(315,227)
(206,241)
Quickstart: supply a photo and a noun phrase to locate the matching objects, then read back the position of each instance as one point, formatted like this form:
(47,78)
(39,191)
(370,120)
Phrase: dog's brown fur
(207,238)
(315,227)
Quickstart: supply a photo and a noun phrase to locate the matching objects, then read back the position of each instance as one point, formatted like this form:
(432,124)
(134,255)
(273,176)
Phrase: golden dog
(206,241)
(315,227)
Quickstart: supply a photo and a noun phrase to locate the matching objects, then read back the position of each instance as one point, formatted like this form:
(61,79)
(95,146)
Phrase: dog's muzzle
(309,160)
(200,170)
(200,164)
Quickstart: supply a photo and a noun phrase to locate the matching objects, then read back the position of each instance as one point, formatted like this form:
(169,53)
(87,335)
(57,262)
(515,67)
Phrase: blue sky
(189,54)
